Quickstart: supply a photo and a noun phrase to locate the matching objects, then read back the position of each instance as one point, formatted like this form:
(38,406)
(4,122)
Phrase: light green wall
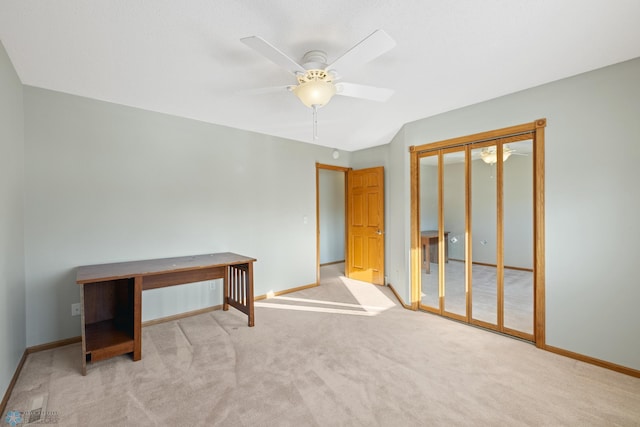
(428,196)
(592,201)
(518,211)
(109,183)
(454,208)
(12,282)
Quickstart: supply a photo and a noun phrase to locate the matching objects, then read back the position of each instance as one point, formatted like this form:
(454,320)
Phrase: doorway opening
(478,229)
(331,219)
(361,215)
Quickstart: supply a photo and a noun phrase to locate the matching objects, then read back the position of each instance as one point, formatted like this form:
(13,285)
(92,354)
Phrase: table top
(123,270)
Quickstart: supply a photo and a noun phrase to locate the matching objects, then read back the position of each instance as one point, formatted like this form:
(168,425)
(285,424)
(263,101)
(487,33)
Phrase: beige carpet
(342,354)
(518,294)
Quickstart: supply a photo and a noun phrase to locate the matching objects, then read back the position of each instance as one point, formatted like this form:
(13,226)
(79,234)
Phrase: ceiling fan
(317,80)
(490,154)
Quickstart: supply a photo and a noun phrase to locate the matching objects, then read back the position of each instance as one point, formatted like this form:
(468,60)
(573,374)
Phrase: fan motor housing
(314,59)
(315,76)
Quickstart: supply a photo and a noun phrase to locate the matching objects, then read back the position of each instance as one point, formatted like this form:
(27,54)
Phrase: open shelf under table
(105,339)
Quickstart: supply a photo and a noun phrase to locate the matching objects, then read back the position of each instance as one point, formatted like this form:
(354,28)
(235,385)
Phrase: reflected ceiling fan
(489,155)
(317,81)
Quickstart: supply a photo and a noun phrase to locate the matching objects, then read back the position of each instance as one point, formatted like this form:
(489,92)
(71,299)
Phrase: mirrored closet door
(476,224)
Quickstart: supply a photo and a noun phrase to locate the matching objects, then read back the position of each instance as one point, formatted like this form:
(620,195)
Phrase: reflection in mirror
(483,222)
(455,298)
(518,237)
(429,275)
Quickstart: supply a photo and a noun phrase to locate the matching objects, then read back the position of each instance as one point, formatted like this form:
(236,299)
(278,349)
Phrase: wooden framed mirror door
(477,229)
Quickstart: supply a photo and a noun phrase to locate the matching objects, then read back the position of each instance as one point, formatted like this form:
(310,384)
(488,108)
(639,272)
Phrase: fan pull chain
(315,121)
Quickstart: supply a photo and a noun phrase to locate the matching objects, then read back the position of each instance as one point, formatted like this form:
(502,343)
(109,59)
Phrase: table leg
(84,337)
(446,247)
(249,284)
(426,255)
(225,286)
(137,318)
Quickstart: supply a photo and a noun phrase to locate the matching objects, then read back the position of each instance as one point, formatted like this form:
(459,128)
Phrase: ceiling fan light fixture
(315,88)
(490,155)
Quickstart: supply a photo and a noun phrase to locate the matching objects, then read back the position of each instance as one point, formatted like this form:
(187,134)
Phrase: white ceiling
(185,58)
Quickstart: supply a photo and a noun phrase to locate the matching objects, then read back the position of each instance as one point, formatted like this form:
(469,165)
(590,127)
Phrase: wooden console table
(111,297)
(428,255)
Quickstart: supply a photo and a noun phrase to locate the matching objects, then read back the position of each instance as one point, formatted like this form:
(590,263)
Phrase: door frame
(536,130)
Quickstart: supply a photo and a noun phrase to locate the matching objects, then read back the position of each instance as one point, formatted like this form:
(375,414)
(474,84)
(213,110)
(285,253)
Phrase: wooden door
(365,225)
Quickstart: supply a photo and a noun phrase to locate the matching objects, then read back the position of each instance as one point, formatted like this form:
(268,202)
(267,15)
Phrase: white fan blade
(369,48)
(365,92)
(272,53)
(264,90)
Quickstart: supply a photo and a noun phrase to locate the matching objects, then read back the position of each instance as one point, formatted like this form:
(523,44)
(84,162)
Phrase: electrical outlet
(75,309)
(212,286)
